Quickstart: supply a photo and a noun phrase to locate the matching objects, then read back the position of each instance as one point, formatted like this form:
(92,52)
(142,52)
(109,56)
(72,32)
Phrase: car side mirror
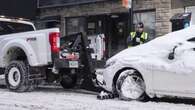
(172,54)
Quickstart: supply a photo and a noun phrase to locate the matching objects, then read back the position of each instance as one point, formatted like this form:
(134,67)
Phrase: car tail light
(54,39)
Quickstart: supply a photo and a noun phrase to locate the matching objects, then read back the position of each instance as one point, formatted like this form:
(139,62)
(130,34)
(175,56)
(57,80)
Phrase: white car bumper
(108,75)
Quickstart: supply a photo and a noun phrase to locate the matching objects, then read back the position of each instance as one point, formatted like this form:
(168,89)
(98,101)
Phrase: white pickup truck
(27,55)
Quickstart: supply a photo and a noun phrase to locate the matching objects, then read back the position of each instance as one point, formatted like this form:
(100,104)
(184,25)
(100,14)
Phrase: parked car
(164,66)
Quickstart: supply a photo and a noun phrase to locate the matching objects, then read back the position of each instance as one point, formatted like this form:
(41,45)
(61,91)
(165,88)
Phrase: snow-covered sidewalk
(60,99)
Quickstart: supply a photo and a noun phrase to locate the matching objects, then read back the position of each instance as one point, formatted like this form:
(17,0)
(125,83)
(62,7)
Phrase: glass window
(191,39)
(192,10)
(75,25)
(11,27)
(148,18)
(91,28)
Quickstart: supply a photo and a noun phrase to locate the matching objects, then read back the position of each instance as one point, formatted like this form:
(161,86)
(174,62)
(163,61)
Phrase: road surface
(56,98)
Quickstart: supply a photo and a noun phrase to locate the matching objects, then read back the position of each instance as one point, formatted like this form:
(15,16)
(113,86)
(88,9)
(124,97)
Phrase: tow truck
(29,57)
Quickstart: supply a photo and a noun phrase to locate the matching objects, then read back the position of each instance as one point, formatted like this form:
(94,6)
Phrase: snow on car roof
(163,43)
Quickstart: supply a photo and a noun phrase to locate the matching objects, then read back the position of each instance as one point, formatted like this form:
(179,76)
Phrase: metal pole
(131,13)
(130,27)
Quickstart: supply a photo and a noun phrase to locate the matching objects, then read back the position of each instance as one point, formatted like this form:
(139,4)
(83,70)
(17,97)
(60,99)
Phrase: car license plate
(73,64)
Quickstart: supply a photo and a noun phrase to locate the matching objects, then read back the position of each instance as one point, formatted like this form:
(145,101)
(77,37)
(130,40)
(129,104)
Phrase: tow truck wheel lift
(76,66)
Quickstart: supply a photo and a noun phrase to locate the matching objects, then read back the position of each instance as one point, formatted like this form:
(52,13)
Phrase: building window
(192,10)
(148,18)
(91,28)
(75,25)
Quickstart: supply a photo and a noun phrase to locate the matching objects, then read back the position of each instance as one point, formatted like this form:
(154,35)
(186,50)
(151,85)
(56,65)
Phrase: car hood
(159,47)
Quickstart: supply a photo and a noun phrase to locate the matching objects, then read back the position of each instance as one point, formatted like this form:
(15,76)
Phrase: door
(119,32)
(177,75)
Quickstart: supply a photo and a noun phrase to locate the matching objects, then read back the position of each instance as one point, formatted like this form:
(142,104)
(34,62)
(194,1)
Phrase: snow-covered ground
(56,98)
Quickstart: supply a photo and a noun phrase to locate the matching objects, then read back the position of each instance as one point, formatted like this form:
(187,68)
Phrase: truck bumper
(63,63)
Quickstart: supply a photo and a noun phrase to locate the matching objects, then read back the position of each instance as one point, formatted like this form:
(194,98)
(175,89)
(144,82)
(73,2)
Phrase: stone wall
(83,10)
(162,8)
(163,13)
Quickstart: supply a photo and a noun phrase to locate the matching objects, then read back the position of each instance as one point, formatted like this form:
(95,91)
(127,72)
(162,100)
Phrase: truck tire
(16,77)
(68,81)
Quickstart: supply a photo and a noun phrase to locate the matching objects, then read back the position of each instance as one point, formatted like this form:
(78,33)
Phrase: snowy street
(56,98)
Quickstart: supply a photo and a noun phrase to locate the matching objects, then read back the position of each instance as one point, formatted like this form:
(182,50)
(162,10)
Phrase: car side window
(191,39)
(3,30)
(11,27)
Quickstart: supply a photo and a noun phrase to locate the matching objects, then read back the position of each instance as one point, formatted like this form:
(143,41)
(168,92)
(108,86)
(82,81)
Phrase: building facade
(111,18)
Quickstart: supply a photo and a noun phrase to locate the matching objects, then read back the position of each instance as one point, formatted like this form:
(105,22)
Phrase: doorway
(113,26)
(118,32)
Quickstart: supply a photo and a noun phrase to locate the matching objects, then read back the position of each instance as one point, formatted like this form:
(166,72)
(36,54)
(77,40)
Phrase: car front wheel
(130,86)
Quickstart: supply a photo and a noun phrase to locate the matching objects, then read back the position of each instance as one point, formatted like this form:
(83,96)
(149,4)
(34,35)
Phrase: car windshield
(11,27)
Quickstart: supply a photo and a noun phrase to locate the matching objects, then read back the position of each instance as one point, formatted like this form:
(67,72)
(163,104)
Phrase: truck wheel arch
(23,47)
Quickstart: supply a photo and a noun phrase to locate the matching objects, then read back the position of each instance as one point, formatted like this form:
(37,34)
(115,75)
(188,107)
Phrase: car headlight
(110,63)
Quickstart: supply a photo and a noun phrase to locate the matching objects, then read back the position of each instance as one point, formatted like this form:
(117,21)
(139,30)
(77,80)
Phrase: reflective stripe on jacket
(144,36)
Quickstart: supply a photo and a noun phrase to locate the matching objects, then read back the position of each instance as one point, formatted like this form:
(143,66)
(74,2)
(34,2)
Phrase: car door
(177,75)
(188,60)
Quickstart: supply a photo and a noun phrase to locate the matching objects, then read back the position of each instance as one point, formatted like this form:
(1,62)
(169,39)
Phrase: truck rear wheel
(16,76)
(68,81)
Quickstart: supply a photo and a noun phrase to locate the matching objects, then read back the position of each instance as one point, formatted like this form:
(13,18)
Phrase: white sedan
(164,66)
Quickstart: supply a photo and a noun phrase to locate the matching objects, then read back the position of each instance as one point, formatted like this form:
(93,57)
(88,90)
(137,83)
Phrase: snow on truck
(28,56)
